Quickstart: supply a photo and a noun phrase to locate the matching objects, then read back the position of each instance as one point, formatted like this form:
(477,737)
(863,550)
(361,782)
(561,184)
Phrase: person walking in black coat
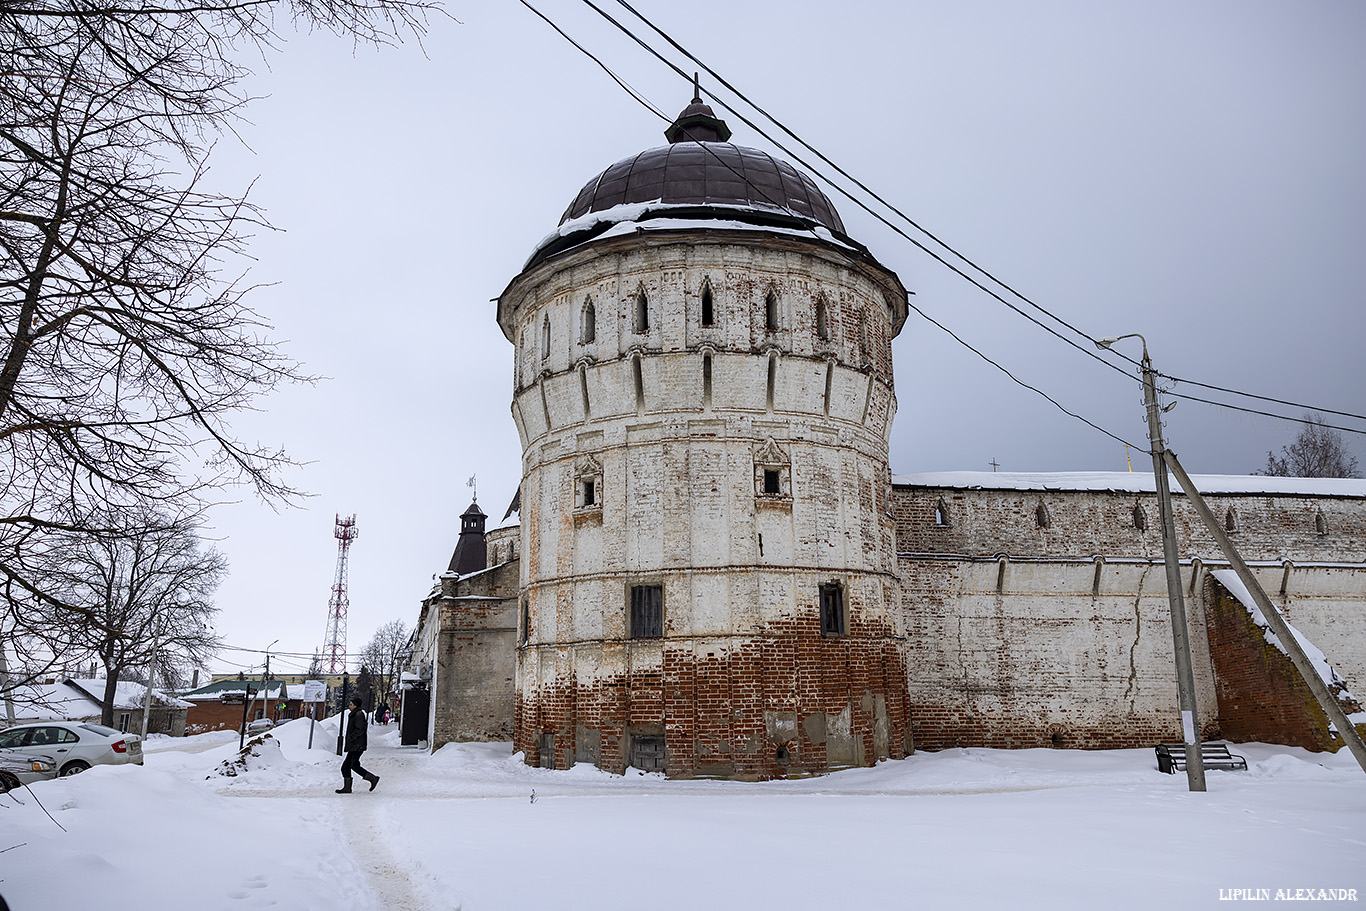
(355,745)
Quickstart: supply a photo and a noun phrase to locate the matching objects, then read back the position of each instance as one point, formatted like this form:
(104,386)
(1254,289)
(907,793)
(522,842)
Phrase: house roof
(81,698)
(127,694)
(212,691)
(52,702)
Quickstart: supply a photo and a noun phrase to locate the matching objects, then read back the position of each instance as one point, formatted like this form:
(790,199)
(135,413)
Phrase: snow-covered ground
(956,829)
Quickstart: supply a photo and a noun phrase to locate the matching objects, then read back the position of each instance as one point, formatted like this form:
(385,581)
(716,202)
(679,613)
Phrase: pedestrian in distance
(355,745)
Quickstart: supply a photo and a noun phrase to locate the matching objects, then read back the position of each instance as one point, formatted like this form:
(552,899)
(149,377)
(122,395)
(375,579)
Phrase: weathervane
(470,483)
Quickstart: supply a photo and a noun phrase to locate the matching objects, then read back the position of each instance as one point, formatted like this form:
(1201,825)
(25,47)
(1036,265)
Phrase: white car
(74,746)
(18,769)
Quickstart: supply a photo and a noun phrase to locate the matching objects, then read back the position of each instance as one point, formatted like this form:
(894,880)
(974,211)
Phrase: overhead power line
(931,235)
(654,109)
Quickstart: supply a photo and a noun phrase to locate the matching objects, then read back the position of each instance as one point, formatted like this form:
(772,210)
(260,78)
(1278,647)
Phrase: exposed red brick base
(1261,695)
(767,706)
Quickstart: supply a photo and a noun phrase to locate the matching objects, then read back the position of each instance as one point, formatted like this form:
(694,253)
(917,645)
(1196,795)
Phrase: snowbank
(966,828)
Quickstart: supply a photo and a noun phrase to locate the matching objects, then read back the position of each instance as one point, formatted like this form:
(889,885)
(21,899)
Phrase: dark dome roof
(700,167)
(706,173)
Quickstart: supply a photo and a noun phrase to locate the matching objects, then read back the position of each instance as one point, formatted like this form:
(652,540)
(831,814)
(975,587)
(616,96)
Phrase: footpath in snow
(459,829)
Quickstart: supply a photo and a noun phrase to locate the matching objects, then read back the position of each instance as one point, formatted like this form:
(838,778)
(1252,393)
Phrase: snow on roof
(630,217)
(52,702)
(72,699)
(1130,481)
(477,572)
(129,695)
(212,691)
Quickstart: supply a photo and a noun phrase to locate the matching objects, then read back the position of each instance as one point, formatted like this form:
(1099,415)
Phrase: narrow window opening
(771,311)
(639,380)
(1320,524)
(708,318)
(590,322)
(545,337)
(642,313)
(1041,516)
(829,383)
(773,481)
(583,390)
(863,338)
(590,492)
(1140,518)
(941,514)
(772,380)
(706,379)
(761,544)
(822,328)
(1231,520)
(647,611)
(526,620)
(832,609)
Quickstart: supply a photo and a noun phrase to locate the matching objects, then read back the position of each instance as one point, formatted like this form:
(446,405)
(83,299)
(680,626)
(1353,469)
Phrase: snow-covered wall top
(1127,481)
(1229,580)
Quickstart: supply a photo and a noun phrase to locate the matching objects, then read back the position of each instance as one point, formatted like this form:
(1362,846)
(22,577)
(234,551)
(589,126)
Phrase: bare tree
(151,592)
(384,653)
(1318,452)
(126,344)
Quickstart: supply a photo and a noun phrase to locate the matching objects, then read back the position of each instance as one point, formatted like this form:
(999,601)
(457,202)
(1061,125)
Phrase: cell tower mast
(334,651)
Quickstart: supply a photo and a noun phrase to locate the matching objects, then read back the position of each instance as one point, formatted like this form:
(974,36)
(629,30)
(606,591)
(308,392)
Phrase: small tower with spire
(471,551)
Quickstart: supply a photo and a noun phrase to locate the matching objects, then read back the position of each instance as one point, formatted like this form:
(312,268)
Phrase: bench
(1171,757)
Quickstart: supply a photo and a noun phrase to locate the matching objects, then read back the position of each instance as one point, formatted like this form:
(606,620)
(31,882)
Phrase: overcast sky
(1188,170)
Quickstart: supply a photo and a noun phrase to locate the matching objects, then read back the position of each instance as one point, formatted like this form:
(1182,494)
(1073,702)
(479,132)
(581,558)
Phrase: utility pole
(265,700)
(247,698)
(1292,647)
(1185,674)
(147,696)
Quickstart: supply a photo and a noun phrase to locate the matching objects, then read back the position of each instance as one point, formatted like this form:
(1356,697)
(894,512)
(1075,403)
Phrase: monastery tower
(703,390)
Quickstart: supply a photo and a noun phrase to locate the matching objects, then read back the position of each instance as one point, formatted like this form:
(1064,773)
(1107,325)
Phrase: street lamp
(1185,676)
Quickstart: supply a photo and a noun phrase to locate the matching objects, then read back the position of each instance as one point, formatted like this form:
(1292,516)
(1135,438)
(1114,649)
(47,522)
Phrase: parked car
(74,746)
(18,769)
(260,725)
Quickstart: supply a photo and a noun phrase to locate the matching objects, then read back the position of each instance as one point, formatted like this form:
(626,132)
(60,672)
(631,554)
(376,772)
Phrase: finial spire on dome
(698,122)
